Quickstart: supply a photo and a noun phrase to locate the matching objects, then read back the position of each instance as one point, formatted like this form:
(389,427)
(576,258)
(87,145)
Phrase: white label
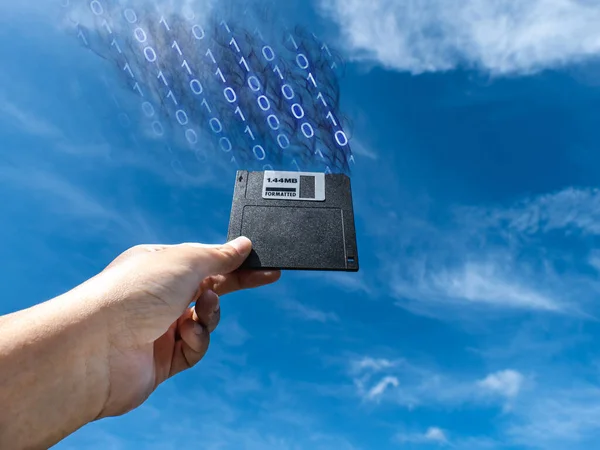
(305,186)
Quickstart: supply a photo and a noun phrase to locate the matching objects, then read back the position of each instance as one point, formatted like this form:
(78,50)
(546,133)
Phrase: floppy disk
(295,220)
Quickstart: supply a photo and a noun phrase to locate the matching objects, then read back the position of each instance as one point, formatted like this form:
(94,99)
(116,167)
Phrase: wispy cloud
(498,36)
(271,413)
(305,312)
(27,121)
(433,435)
(476,282)
(558,418)
(378,389)
(72,205)
(506,383)
(412,386)
(372,364)
(491,259)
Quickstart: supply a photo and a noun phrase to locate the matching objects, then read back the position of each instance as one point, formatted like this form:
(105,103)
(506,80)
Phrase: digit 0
(96,7)
(230,95)
(302,61)
(264,103)
(254,83)
(148,109)
(341,138)
(259,152)
(268,53)
(158,128)
(198,32)
(196,87)
(150,54)
(283,141)
(273,122)
(307,130)
(297,111)
(191,136)
(182,117)
(130,15)
(140,35)
(287,91)
(225,144)
(215,125)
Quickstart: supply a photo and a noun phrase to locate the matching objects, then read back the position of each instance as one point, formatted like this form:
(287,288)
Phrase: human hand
(152,331)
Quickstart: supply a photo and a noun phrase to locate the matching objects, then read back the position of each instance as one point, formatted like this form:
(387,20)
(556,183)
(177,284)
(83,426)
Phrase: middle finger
(207,310)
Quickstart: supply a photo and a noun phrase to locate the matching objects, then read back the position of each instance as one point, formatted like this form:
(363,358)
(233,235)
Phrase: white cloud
(372,364)
(375,380)
(305,312)
(477,282)
(433,435)
(362,150)
(556,418)
(484,260)
(499,36)
(28,121)
(572,209)
(71,205)
(385,383)
(436,435)
(506,383)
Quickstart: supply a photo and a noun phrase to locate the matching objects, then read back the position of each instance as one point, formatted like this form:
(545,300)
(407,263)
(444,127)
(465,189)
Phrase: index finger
(239,280)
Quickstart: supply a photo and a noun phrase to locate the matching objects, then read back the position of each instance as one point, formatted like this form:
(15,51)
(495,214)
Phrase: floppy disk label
(295,186)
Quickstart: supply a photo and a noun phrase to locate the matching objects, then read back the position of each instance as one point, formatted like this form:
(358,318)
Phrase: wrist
(54,370)
(89,326)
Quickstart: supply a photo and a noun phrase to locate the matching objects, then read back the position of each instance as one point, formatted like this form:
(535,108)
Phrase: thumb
(220,259)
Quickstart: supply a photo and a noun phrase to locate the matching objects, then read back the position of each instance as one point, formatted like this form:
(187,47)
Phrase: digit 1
(296,164)
(330,117)
(311,78)
(218,72)
(324,47)
(239,111)
(82,37)
(209,53)
(136,87)
(235,44)
(162,77)
(186,66)
(116,45)
(176,47)
(293,42)
(278,72)
(245,64)
(249,131)
(128,69)
(164,22)
(105,25)
(320,97)
(204,103)
(170,94)
(225,25)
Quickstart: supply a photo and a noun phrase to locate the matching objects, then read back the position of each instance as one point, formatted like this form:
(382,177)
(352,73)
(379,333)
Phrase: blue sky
(473,321)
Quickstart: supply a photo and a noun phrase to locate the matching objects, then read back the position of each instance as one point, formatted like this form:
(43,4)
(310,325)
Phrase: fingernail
(241,244)
(217,308)
(198,329)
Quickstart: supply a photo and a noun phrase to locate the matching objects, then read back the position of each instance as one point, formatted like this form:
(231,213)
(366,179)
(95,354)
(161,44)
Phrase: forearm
(53,371)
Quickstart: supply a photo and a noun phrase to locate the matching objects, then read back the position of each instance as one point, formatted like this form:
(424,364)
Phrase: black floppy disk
(295,220)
